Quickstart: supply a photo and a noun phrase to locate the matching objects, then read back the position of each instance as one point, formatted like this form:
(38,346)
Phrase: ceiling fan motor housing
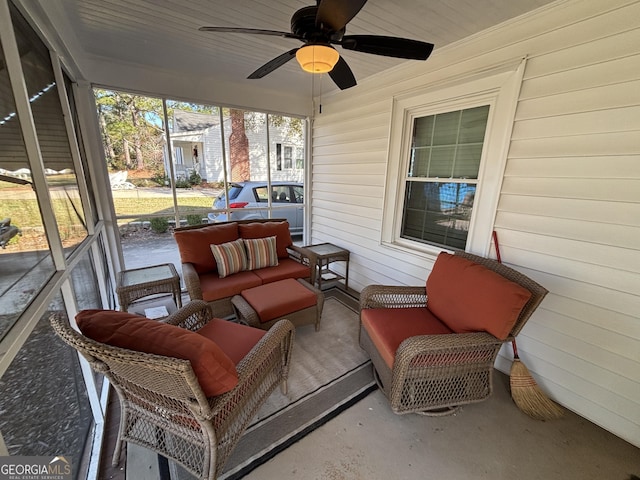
(303,24)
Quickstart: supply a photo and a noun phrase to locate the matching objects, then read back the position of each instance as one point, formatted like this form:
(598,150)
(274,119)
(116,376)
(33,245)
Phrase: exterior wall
(211,158)
(569,208)
(211,155)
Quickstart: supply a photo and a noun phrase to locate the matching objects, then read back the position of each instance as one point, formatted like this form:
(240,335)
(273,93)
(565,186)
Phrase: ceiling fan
(323,25)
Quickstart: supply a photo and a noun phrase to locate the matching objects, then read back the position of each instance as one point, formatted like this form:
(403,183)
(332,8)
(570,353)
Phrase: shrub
(194,219)
(159,178)
(182,183)
(195,178)
(159,224)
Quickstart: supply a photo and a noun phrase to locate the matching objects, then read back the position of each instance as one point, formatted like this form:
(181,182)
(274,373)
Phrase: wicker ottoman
(296,300)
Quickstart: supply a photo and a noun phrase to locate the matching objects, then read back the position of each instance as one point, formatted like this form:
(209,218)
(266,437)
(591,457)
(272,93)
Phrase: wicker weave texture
(439,371)
(162,405)
(127,294)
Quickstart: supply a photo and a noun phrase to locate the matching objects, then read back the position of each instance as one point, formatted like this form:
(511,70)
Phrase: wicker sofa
(433,348)
(201,272)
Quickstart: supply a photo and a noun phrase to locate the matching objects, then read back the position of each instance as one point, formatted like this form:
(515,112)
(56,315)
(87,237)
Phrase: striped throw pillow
(230,257)
(261,252)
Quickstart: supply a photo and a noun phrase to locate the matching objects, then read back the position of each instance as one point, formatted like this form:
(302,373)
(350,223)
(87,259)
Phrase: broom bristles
(528,396)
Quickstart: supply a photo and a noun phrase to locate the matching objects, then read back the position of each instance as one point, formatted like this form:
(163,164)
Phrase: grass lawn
(25,213)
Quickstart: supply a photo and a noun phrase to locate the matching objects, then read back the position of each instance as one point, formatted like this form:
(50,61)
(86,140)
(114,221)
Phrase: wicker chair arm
(193,316)
(392,296)
(446,350)
(192,281)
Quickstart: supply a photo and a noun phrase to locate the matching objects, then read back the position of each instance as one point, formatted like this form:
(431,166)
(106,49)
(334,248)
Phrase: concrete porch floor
(491,440)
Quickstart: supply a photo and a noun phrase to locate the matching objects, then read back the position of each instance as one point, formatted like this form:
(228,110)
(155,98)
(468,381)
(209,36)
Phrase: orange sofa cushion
(286,268)
(269,229)
(278,299)
(214,288)
(216,372)
(389,327)
(234,339)
(471,298)
(194,245)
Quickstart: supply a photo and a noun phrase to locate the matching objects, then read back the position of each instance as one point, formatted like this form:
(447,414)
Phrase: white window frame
(280,157)
(497,87)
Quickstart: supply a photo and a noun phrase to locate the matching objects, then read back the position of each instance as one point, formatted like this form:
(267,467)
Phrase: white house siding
(212,155)
(569,207)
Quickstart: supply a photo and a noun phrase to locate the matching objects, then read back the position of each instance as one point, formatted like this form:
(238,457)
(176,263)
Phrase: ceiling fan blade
(271,65)
(335,14)
(388,46)
(342,75)
(253,31)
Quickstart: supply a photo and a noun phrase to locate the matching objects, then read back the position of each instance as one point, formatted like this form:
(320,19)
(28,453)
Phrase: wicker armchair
(164,408)
(435,374)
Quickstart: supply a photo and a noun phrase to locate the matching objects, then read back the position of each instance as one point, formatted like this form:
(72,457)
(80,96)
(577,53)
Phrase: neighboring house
(196,139)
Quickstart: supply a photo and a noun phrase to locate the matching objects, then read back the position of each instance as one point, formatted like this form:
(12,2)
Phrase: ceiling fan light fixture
(317,58)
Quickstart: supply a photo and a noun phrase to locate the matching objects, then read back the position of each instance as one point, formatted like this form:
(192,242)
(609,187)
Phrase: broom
(526,393)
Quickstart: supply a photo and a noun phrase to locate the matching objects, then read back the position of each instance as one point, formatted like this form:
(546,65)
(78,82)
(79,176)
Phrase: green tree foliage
(292,126)
(133,128)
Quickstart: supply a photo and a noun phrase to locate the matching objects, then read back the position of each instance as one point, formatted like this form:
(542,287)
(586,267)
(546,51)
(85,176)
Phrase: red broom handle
(495,242)
(497,245)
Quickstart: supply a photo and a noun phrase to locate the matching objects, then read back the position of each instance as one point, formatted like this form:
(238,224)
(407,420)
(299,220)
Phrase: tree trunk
(108,146)
(139,158)
(239,148)
(127,154)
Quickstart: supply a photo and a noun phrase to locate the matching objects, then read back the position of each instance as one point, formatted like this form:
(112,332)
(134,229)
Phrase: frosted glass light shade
(317,58)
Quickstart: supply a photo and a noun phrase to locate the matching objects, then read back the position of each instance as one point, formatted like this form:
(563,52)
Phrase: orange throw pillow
(468,297)
(269,229)
(193,244)
(215,371)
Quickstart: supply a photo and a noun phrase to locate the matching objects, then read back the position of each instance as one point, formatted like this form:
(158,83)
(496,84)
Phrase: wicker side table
(141,282)
(321,256)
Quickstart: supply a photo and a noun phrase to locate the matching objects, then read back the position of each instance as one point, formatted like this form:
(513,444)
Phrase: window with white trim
(447,154)
(441,176)
(285,157)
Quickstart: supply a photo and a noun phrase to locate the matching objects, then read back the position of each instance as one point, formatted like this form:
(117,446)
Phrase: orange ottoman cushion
(216,372)
(277,299)
(469,297)
(389,327)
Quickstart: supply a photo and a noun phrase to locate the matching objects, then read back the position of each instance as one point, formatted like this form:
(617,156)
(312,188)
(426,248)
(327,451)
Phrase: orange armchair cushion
(471,298)
(389,327)
(268,229)
(194,245)
(235,339)
(216,372)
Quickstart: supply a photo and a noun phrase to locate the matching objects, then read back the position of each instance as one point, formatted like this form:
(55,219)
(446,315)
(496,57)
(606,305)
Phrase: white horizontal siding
(569,208)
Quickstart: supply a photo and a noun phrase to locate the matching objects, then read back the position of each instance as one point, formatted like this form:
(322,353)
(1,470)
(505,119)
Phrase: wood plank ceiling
(164,33)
